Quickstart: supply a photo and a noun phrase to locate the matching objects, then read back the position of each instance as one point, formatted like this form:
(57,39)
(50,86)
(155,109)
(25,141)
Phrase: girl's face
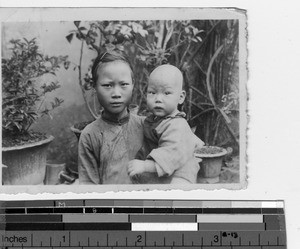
(114,87)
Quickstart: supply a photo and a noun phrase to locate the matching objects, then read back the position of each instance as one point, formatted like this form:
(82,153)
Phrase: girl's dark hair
(106,57)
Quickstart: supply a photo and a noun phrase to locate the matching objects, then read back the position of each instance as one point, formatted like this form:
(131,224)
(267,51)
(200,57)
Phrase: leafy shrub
(206,51)
(25,86)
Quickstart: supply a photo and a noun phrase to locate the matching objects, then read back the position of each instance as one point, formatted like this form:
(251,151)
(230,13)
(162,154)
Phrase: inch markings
(138,224)
(144,239)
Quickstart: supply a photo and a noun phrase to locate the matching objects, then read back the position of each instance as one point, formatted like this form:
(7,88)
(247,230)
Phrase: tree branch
(199,92)
(161,34)
(201,113)
(80,82)
(204,40)
(210,94)
(184,54)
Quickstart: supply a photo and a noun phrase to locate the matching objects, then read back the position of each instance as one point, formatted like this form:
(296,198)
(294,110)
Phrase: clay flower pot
(212,160)
(53,172)
(25,164)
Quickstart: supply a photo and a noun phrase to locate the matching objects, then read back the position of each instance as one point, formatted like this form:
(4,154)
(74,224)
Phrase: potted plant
(27,77)
(212,161)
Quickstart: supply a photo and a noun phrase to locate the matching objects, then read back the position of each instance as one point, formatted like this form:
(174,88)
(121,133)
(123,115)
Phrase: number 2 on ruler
(139,238)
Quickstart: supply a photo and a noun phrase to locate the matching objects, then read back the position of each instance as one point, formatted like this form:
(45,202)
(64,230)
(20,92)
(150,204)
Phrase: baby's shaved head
(167,73)
(165,92)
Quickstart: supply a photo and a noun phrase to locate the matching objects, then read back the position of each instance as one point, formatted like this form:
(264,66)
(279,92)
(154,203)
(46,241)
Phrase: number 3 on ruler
(216,238)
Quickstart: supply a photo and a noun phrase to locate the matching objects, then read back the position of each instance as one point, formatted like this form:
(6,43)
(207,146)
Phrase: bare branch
(81,84)
(208,75)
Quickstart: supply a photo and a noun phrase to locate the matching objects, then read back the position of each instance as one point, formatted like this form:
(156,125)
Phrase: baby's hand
(136,167)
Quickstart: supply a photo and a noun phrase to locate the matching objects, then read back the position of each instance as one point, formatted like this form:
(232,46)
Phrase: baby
(169,143)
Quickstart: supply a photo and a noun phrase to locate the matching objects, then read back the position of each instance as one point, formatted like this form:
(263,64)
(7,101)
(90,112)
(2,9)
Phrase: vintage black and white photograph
(123,99)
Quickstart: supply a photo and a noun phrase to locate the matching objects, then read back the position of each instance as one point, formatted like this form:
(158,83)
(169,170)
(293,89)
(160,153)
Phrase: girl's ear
(182,97)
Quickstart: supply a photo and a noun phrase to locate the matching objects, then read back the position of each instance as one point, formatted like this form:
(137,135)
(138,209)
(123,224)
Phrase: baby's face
(164,93)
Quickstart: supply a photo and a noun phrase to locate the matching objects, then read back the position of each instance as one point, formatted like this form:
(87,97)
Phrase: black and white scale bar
(65,226)
(48,210)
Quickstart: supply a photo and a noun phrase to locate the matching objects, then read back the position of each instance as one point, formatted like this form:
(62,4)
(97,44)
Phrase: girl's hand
(136,167)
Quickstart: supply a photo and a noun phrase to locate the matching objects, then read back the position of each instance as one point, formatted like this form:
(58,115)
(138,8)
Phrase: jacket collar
(111,119)
(177,114)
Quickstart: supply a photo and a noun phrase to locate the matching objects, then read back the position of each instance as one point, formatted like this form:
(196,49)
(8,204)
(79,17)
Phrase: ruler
(139,224)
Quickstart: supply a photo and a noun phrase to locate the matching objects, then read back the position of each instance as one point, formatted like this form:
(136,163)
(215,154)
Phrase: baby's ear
(182,97)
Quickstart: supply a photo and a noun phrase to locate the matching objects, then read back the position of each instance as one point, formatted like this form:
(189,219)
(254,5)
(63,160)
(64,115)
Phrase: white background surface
(274,109)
